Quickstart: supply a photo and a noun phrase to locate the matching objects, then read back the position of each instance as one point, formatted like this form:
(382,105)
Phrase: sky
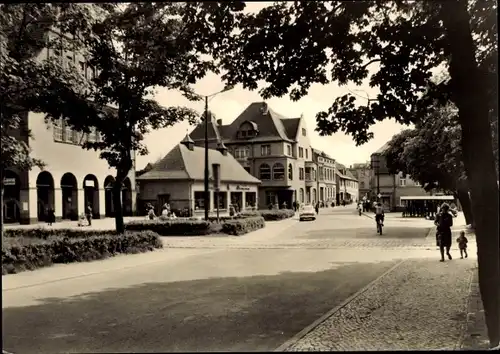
(228,105)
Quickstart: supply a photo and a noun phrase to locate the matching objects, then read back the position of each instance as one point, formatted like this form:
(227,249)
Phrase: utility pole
(207,192)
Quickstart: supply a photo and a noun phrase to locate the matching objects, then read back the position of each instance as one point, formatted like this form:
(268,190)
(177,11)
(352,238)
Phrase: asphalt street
(248,293)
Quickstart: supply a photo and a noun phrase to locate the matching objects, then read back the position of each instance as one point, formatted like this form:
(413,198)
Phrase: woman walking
(445,222)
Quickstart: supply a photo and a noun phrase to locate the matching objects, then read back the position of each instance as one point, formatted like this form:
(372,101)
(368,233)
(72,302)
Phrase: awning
(429,197)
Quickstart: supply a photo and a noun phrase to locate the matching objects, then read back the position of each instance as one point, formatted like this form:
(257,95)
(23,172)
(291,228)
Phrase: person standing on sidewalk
(444,230)
(88,214)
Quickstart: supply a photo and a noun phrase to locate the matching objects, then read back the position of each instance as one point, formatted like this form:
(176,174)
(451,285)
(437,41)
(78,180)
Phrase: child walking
(462,244)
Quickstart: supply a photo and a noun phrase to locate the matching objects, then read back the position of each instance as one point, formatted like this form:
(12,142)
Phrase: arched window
(314,175)
(290,172)
(301,195)
(278,171)
(264,171)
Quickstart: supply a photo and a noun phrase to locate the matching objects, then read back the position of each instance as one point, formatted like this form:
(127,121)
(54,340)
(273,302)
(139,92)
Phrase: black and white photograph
(247,176)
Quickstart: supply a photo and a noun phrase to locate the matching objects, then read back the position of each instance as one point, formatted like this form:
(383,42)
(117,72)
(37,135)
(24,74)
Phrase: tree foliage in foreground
(135,48)
(394,46)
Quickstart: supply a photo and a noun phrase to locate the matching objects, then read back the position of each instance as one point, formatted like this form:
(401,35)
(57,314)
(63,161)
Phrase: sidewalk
(419,305)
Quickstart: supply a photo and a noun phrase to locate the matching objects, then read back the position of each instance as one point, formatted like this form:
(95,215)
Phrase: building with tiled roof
(178,179)
(364,174)
(273,148)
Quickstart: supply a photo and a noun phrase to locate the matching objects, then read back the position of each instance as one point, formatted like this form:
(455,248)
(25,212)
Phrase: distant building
(392,186)
(178,179)
(364,174)
(347,185)
(327,186)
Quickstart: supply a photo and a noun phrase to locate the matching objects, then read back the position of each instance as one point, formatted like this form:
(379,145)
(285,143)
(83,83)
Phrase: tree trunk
(1,203)
(465,201)
(117,203)
(470,96)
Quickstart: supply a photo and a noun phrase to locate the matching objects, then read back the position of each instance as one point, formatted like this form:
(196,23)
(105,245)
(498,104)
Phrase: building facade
(178,179)
(327,187)
(277,150)
(347,185)
(364,174)
(72,178)
(274,149)
(391,186)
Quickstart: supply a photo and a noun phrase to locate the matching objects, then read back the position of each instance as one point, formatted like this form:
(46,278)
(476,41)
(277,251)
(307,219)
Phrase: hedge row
(271,215)
(174,227)
(195,227)
(242,226)
(46,233)
(20,254)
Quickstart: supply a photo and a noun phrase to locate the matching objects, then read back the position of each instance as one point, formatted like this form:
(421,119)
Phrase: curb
(320,320)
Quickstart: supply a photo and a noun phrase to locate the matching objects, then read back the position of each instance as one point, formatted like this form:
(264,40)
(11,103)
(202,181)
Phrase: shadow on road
(389,232)
(256,313)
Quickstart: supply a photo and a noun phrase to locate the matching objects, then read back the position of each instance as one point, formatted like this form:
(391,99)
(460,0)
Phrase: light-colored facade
(72,178)
(327,187)
(347,185)
(178,179)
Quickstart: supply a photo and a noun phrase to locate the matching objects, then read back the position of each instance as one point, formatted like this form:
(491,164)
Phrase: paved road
(248,293)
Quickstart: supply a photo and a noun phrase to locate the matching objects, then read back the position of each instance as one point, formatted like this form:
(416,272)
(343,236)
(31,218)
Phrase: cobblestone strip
(420,306)
(476,335)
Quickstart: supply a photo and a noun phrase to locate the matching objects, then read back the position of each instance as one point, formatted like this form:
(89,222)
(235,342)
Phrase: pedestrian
(445,223)
(51,216)
(462,244)
(317,208)
(294,204)
(88,214)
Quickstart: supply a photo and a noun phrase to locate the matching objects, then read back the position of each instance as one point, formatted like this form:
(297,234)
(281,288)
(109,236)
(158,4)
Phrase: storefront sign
(9,181)
(242,188)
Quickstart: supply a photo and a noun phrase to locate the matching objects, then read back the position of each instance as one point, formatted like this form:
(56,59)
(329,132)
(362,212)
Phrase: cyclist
(379,213)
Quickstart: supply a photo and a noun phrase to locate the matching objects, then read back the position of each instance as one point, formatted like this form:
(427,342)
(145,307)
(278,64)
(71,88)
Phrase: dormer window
(248,130)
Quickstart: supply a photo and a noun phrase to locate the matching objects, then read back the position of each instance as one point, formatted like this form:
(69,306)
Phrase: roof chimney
(222,148)
(219,121)
(264,109)
(188,142)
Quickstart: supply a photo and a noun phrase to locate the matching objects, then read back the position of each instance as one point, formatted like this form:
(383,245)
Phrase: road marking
(320,320)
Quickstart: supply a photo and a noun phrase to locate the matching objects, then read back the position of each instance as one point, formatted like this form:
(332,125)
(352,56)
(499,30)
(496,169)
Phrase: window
(270,198)
(304,132)
(301,173)
(314,175)
(290,172)
(222,199)
(278,172)
(289,150)
(199,201)
(57,127)
(301,152)
(241,153)
(402,182)
(265,150)
(250,199)
(68,133)
(417,184)
(301,195)
(307,150)
(265,172)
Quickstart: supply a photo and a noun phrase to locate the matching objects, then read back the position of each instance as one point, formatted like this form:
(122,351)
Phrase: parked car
(307,212)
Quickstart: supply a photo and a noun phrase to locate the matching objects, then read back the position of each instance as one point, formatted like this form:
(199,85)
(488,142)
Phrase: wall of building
(61,158)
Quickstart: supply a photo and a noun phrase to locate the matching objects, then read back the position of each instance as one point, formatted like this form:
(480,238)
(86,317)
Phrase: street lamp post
(206,194)
(376,167)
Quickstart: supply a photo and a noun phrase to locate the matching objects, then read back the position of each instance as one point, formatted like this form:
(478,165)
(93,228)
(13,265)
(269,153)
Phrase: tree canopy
(431,153)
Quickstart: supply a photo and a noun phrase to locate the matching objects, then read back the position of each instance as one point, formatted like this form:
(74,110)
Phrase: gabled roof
(382,149)
(198,132)
(182,163)
(291,126)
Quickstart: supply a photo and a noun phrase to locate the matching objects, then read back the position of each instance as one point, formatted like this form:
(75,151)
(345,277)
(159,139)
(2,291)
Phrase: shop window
(222,200)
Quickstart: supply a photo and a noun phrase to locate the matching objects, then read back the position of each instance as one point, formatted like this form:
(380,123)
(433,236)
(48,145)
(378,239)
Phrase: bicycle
(379,226)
